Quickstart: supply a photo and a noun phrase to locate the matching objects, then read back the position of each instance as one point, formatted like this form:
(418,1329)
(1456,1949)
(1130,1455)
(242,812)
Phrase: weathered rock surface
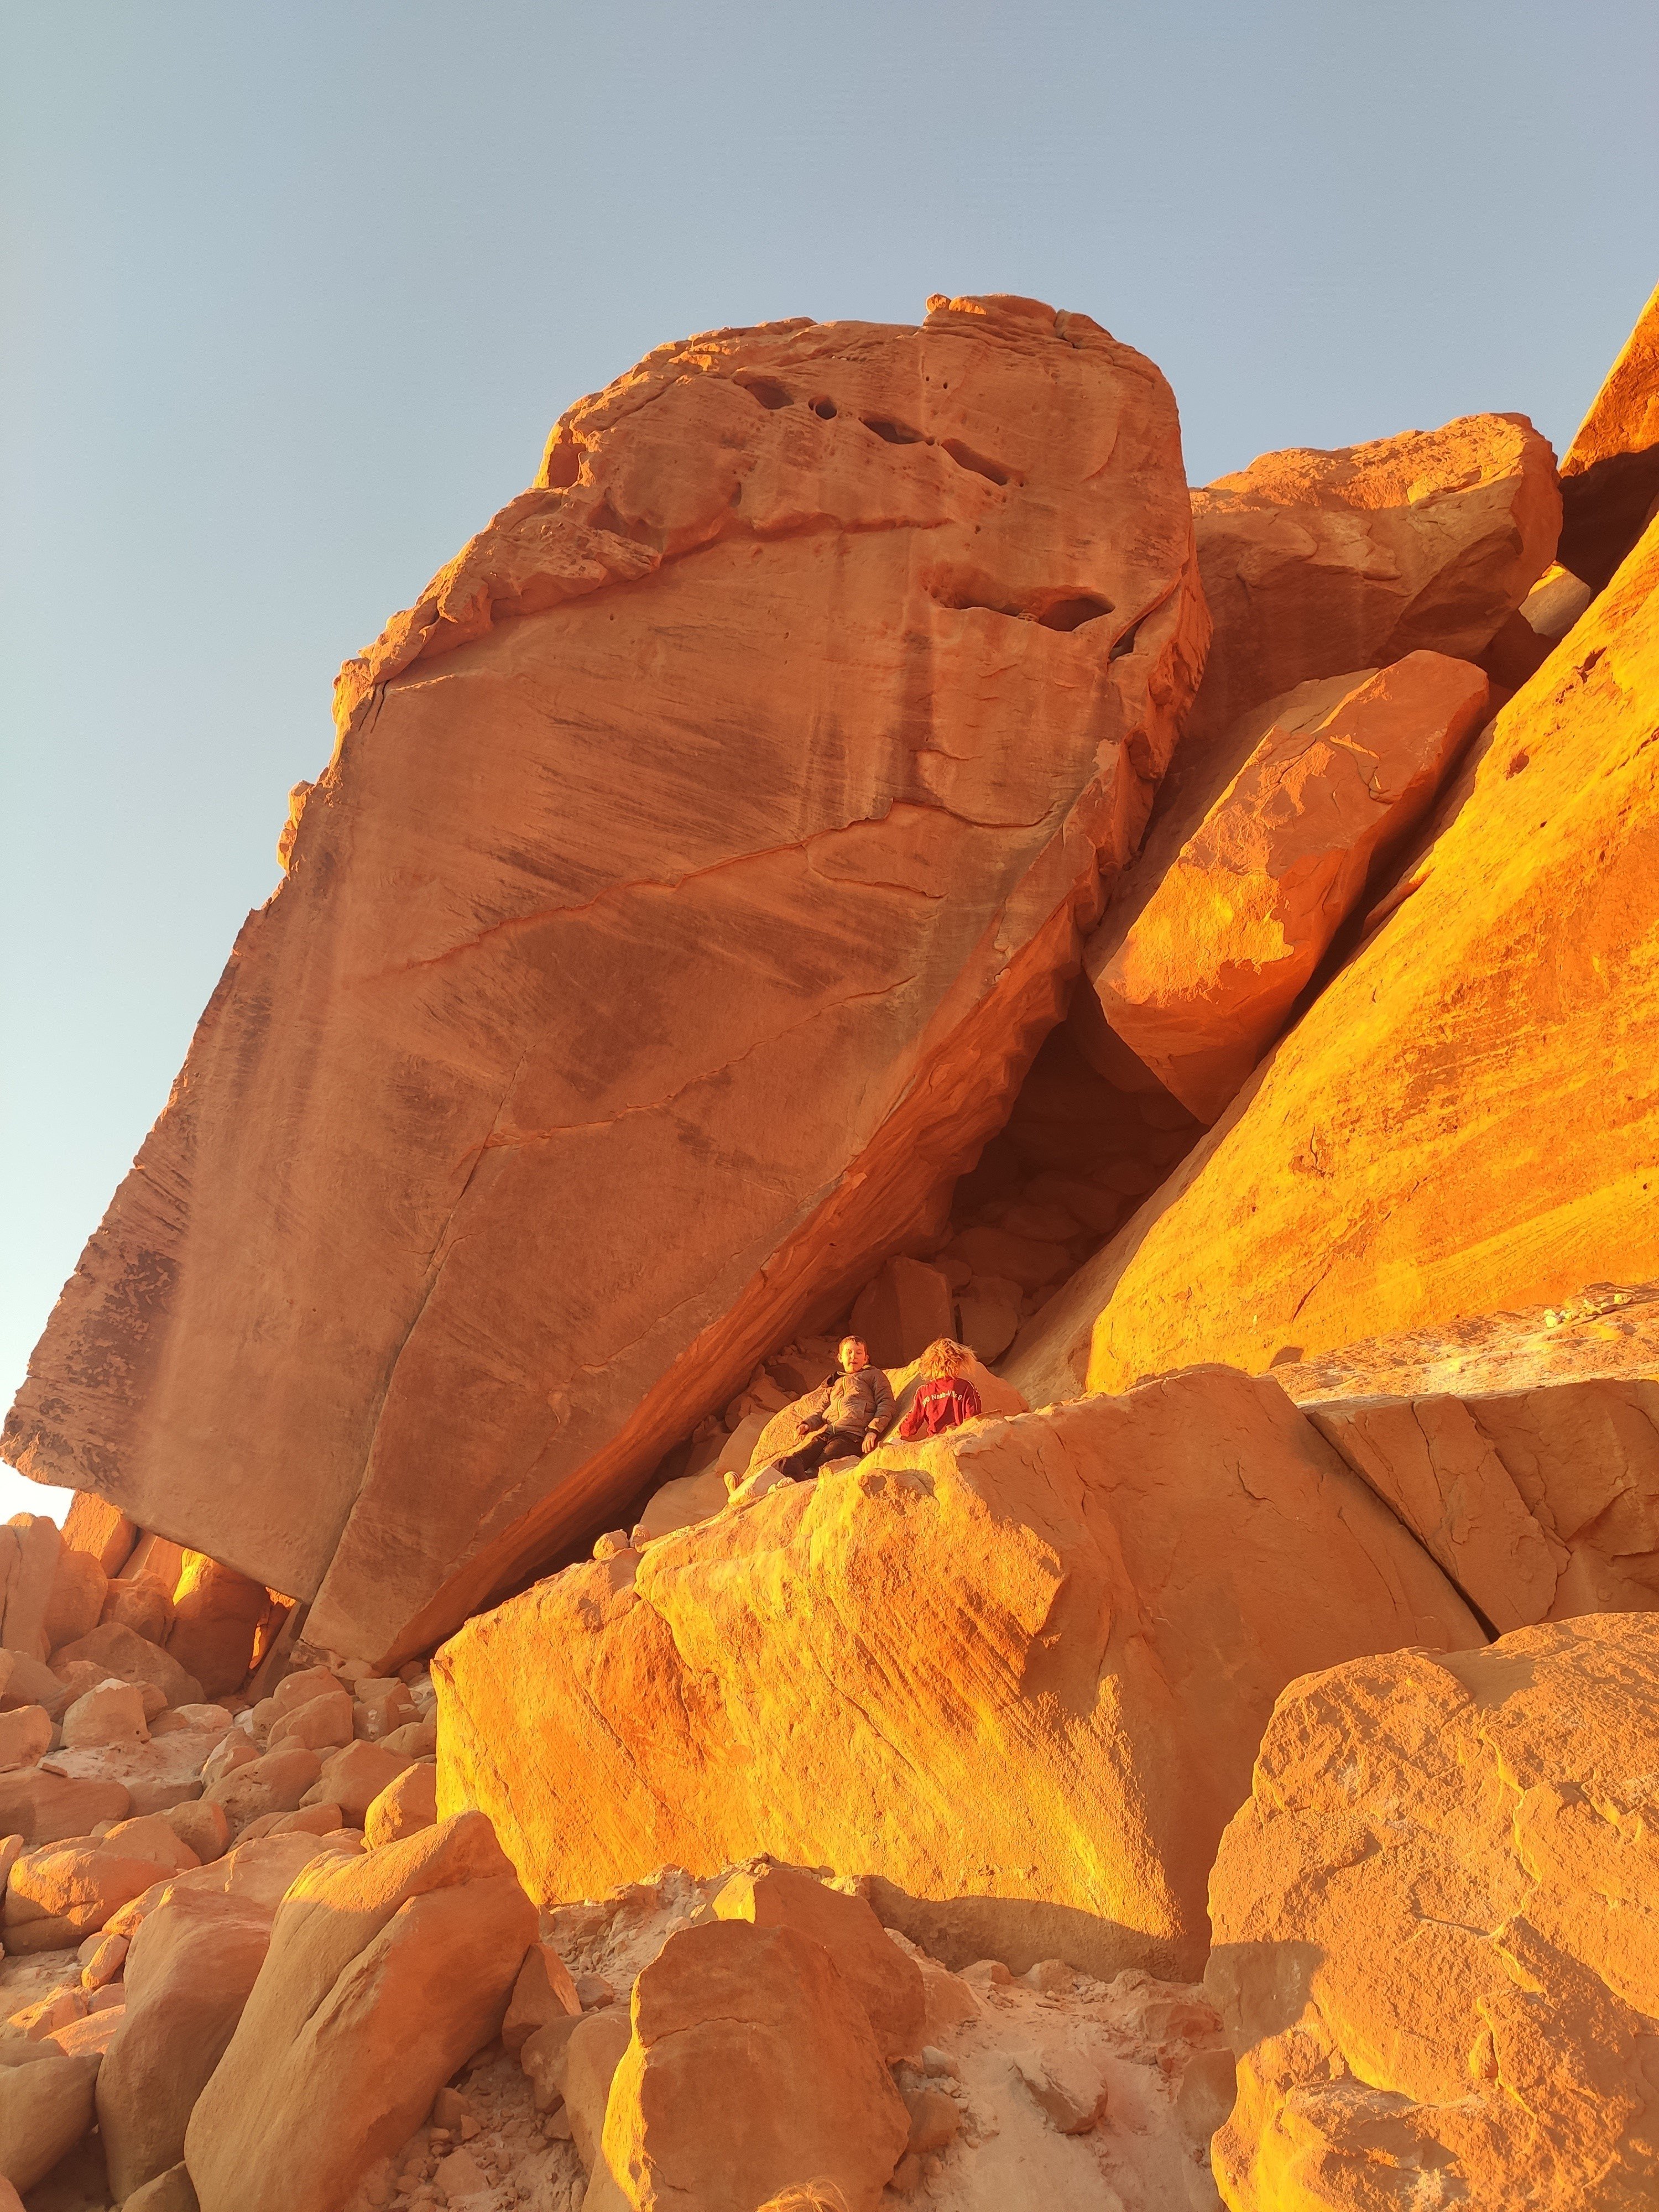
(1610,475)
(216,1613)
(385,1973)
(44,2109)
(193,1963)
(764,751)
(1435,1956)
(99,1529)
(1374,1178)
(880,1978)
(43,1808)
(1018,1675)
(752,2068)
(1539,1503)
(1206,948)
(29,1548)
(1608,1330)
(1313,562)
(121,1652)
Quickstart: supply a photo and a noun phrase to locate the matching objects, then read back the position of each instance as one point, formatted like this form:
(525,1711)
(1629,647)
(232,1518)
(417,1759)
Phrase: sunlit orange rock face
(1211,939)
(1314,562)
(1467,1118)
(1434,1950)
(696,876)
(1610,474)
(1016,1675)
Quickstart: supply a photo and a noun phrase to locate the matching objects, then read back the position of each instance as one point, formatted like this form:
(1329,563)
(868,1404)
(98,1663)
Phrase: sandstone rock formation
(384,1974)
(193,1963)
(751,2068)
(1207,946)
(1539,1503)
(1434,1951)
(765,751)
(1374,1177)
(1610,474)
(1017,1675)
(1313,562)
(980,2133)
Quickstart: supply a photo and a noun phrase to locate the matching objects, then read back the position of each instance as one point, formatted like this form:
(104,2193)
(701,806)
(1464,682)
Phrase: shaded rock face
(1015,1676)
(1434,1956)
(698,870)
(1198,968)
(1610,476)
(1378,1176)
(1313,562)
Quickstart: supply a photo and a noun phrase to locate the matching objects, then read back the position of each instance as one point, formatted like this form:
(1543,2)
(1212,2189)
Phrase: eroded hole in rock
(564,465)
(765,389)
(1126,644)
(891,433)
(825,410)
(1071,614)
(966,458)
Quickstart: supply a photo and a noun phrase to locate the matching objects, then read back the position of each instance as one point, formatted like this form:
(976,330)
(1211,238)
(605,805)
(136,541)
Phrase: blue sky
(295,291)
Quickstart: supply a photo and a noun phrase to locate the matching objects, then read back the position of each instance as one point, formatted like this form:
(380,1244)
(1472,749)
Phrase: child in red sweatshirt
(945,1397)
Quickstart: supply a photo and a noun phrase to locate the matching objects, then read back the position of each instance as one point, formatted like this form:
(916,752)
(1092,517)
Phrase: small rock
(593,1990)
(613,1545)
(105,1958)
(986,1973)
(112,1713)
(934,2120)
(907,2175)
(935,2061)
(1052,1976)
(1066,2085)
(24,1735)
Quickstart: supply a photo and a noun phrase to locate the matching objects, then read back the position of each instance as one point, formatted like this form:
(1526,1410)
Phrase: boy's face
(852,1355)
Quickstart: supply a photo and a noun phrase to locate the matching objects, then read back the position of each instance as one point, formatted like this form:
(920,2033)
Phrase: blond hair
(945,1356)
(807,2197)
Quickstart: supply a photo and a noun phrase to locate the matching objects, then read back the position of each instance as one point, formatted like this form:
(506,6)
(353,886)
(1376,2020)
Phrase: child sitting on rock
(945,1397)
(845,1416)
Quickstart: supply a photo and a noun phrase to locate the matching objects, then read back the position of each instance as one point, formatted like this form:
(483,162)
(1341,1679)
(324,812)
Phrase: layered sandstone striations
(1466,1118)
(1610,475)
(1208,945)
(1435,1955)
(1016,1675)
(698,870)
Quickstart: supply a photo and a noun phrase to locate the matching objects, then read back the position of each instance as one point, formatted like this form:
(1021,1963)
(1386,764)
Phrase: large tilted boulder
(1314,562)
(703,858)
(1435,1956)
(384,1974)
(751,2068)
(192,1962)
(1215,932)
(1465,1120)
(1017,1676)
(1610,473)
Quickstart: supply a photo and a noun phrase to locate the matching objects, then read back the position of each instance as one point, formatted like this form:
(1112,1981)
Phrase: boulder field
(859,848)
